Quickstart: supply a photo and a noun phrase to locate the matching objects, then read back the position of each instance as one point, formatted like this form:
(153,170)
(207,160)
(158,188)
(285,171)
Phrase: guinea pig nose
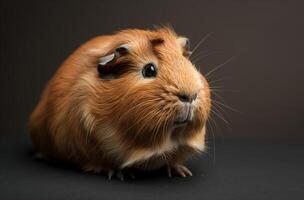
(187,98)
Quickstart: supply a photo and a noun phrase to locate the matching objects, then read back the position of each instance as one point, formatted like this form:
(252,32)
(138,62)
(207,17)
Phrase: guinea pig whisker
(213,136)
(198,54)
(218,96)
(216,127)
(226,106)
(219,116)
(220,100)
(219,109)
(199,57)
(223,90)
(215,90)
(219,105)
(216,105)
(210,124)
(219,88)
(200,43)
(218,67)
(216,81)
(213,142)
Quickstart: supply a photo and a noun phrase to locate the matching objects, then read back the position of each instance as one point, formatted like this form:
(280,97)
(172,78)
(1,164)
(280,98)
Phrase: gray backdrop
(264,80)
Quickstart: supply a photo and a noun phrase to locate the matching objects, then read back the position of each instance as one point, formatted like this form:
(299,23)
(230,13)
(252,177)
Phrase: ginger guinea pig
(127,100)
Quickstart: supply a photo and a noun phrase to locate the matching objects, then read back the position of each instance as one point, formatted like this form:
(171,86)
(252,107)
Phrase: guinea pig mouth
(184,116)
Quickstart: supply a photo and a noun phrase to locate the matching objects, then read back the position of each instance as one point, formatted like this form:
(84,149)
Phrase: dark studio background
(258,154)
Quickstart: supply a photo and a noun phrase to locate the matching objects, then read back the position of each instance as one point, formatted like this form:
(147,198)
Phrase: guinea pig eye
(149,71)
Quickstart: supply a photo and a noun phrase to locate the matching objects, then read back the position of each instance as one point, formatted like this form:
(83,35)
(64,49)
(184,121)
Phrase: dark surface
(264,80)
(271,169)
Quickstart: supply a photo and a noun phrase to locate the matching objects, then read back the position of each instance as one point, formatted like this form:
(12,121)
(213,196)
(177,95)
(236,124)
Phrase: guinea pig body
(127,100)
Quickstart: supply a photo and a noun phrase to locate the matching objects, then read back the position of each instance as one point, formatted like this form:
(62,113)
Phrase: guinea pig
(127,100)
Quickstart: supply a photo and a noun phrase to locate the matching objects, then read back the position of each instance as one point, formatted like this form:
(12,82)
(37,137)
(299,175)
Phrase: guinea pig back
(128,100)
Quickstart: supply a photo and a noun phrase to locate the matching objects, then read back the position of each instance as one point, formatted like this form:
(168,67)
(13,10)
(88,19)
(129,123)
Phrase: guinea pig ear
(185,44)
(106,63)
(106,59)
(119,51)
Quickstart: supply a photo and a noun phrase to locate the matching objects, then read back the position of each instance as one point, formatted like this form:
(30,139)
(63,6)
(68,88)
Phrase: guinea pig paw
(120,174)
(180,170)
(110,174)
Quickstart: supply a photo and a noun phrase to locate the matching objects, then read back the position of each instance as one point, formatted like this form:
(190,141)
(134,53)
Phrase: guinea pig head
(144,88)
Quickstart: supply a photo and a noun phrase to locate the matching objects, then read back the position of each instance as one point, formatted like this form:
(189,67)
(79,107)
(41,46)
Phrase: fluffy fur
(104,125)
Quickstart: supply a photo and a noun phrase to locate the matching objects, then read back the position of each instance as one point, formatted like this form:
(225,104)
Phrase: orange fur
(125,122)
